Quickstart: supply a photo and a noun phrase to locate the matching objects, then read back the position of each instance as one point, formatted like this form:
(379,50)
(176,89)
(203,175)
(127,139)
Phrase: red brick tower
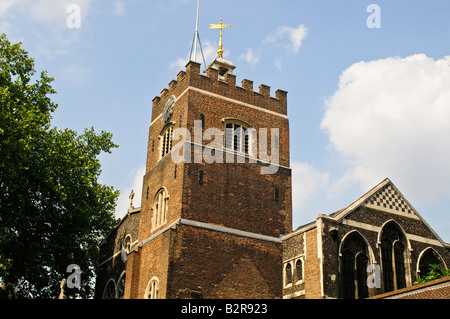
(210,225)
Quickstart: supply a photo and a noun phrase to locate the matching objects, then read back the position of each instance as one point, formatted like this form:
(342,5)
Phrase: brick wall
(223,265)
(312,266)
(150,260)
(238,196)
(161,175)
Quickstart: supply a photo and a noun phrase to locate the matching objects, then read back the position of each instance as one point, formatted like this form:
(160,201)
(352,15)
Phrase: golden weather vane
(219,26)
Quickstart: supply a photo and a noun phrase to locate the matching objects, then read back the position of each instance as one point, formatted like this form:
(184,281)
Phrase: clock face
(168,109)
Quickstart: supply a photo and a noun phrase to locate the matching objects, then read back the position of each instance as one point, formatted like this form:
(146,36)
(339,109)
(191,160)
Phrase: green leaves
(53,211)
(435,273)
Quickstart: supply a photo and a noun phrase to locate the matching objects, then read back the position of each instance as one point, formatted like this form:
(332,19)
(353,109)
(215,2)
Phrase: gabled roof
(385,197)
(130,211)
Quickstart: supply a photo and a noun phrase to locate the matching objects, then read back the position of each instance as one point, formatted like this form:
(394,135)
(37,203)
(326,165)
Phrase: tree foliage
(53,210)
(434,273)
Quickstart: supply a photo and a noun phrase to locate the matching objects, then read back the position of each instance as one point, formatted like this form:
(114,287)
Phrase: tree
(53,211)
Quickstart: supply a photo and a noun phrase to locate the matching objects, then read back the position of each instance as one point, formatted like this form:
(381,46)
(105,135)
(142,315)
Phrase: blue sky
(364,103)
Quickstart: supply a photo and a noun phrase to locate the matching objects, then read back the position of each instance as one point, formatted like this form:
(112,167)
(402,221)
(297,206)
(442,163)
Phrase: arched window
(288,274)
(166,139)
(160,208)
(110,290)
(427,258)
(388,271)
(299,270)
(293,272)
(393,257)
(348,274)
(121,286)
(361,274)
(238,136)
(152,290)
(399,257)
(353,267)
(126,248)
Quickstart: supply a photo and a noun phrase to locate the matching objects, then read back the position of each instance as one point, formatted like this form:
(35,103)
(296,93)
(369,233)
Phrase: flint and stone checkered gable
(389,199)
(383,197)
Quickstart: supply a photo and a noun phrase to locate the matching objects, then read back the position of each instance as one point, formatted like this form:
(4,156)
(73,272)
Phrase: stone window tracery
(160,206)
(393,252)
(152,290)
(238,136)
(353,267)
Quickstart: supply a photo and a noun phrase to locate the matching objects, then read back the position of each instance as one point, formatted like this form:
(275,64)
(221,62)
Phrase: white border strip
(230,231)
(227,151)
(146,241)
(225,99)
(108,259)
(222,229)
(237,102)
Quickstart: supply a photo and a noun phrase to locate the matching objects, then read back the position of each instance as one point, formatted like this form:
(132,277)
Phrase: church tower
(217,190)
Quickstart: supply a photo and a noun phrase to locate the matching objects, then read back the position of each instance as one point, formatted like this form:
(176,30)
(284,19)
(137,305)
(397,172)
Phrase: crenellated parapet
(222,83)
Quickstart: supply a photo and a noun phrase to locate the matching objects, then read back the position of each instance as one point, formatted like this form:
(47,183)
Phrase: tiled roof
(436,289)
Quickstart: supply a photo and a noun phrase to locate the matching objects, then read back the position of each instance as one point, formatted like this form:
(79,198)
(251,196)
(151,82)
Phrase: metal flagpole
(197,38)
(196,31)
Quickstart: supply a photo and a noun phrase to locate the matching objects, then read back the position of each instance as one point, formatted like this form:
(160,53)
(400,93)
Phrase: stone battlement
(224,86)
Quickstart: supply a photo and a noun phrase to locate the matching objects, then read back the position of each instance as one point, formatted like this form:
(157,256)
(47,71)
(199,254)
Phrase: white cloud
(54,12)
(46,23)
(123,202)
(250,57)
(119,8)
(5,5)
(179,63)
(306,180)
(308,185)
(390,118)
(48,11)
(294,35)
